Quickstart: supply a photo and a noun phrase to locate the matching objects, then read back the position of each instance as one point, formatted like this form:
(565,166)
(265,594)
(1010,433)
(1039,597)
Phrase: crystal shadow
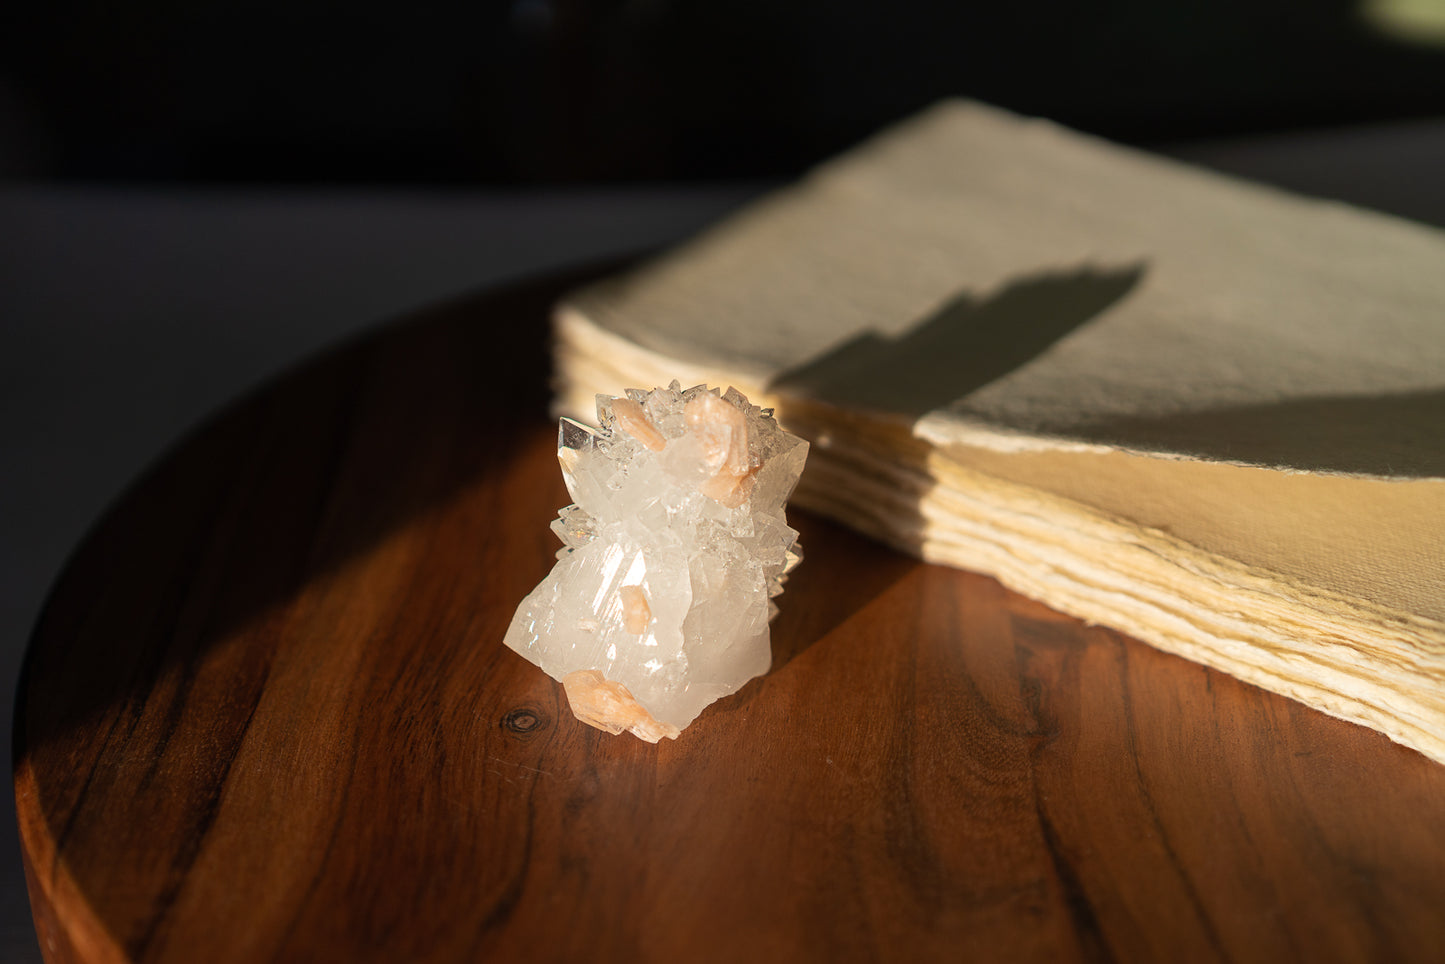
(964,345)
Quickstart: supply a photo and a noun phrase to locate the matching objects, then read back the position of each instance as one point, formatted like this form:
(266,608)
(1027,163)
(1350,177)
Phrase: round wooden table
(267,716)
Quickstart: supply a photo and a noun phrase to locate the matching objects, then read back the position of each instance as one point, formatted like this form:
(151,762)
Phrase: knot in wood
(524,721)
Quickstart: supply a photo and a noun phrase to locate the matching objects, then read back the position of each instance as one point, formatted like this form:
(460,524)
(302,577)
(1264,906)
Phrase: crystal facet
(673,548)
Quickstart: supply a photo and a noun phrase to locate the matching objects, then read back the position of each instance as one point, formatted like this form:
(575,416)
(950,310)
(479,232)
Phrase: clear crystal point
(673,548)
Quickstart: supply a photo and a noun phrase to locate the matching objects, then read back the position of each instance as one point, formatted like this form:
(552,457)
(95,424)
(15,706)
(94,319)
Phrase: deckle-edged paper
(1208,413)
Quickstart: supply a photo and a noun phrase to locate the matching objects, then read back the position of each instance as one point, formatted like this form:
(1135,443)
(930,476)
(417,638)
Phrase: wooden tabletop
(267,716)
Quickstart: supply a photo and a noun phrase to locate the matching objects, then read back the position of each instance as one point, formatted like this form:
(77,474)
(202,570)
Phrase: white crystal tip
(673,548)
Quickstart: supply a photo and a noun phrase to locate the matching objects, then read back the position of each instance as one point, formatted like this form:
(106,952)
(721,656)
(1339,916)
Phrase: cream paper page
(1260,375)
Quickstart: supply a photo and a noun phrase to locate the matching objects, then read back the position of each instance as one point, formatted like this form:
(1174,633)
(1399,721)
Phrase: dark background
(594,91)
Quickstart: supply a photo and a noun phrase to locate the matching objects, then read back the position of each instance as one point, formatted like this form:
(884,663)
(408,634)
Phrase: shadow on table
(842,574)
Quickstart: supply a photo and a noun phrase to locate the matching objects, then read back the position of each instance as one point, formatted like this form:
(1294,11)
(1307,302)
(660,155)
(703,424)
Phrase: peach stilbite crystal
(674,546)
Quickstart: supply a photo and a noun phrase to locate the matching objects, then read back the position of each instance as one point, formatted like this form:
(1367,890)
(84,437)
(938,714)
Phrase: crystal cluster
(673,549)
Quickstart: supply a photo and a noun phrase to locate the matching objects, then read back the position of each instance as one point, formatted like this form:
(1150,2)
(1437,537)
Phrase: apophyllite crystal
(673,549)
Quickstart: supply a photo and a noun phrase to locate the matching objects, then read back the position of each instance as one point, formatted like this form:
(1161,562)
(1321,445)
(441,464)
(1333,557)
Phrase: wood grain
(267,716)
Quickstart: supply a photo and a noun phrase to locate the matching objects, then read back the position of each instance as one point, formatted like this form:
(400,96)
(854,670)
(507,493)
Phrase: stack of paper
(1207,413)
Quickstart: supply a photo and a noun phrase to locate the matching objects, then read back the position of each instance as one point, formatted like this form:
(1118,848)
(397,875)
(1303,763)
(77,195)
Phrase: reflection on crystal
(672,551)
